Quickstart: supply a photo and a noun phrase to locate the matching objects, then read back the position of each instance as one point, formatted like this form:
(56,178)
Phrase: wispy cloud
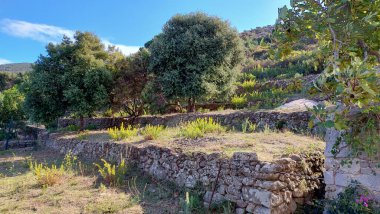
(38,32)
(4,61)
(49,33)
(127,50)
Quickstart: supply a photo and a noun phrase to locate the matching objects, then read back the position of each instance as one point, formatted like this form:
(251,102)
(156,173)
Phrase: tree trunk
(81,123)
(191,105)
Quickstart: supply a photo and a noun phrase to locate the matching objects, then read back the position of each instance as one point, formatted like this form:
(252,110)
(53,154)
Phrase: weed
(112,174)
(152,132)
(47,176)
(200,127)
(248,85)
(239,101)
(70,161)
(72,128)
(267,129)
(122,132)
(248,126)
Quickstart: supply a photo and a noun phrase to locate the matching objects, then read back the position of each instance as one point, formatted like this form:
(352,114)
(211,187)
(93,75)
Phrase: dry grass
(77,193)
(267,144)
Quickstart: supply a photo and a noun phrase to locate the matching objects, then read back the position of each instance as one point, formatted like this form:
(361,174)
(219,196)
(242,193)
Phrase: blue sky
(27,26)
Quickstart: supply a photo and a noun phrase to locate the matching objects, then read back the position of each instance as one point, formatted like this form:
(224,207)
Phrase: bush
(200,127)
(354,199)
(248,85)
(152,132)
(248,126)
(122,132)
(47,176)
(239,101)
(72,128)
(112,174)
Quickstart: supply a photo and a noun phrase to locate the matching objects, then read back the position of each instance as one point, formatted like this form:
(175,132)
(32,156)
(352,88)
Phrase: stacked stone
(342,169)
(294,121)
(255,186)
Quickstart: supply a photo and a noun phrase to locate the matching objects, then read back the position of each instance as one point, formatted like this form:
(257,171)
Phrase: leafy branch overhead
(348,35)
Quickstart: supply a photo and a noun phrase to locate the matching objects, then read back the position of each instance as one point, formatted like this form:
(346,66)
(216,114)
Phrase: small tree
(131,79)
(11,113)
(72,78)
(196,56)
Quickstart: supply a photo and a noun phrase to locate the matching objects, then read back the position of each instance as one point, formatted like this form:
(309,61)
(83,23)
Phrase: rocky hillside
(16,67)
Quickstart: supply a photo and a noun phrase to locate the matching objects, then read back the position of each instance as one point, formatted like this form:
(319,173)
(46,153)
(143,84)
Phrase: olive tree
(72,79)
(196,56)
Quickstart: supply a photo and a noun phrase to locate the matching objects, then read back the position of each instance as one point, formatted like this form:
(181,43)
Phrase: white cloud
(38,32)
(4,61)
(126,50)
(49,33)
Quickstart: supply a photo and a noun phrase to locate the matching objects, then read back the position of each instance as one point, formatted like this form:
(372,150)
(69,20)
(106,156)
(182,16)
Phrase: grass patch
(200,127)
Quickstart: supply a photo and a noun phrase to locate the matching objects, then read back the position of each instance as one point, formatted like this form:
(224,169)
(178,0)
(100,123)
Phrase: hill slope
(16,67)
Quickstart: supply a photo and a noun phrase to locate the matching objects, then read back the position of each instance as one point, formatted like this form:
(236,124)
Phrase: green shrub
(248,126)
(112,174)
(47,176)
(72,128)
(152,132)
(239,101)
(354,199)
(200,127)
(248,85)
(122,132)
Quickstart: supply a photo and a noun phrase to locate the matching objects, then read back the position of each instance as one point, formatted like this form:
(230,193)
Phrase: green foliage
(196,56)
(72,77)
(8,80)
(72,128)
(200,127)
(353,199)
(239,101)
(70,162)
(131,80)
(248,85)
(152,132)
(45,175)
(11,112)
(348,35)
(122,132)
(248,126)
(112,174)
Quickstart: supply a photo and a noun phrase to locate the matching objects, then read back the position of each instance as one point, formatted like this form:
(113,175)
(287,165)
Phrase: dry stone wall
(296,121)
(255,186)
(338,175)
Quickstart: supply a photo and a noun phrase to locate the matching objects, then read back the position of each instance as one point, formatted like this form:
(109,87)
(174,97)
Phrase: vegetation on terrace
(208,136)
(79,189)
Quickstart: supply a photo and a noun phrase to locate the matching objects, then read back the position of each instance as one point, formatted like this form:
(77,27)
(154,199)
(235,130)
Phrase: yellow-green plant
(200,127)
(47,176)
(122,132)
(248,126)
(239,101)
(112,174)
(70,161)
(152,132)
(248,85)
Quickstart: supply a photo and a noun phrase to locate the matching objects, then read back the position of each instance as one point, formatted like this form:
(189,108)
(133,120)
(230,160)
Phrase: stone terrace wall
(255,186)
(294,121)
(338,177)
